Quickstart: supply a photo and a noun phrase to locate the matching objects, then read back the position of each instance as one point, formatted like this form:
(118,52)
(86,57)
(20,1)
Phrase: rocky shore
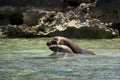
(86,20)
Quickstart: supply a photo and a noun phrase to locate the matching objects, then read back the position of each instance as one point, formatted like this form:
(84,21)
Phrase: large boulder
(91,32)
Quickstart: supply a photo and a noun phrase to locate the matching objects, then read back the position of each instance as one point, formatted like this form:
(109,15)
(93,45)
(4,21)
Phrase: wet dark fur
(58,40)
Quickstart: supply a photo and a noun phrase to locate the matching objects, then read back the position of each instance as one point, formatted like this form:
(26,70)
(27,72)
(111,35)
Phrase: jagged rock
(58,20)
(31,17)
(58,24)
(106,11)
(24,31)
(95,30)
(19,31)
(54,23)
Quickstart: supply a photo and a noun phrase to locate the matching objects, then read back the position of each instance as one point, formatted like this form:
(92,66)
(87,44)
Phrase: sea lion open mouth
(60,48)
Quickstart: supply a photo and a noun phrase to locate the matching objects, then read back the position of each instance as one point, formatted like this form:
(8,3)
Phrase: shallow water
(27,59)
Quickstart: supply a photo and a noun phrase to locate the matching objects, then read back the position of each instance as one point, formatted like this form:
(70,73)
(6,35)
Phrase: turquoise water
(27,59)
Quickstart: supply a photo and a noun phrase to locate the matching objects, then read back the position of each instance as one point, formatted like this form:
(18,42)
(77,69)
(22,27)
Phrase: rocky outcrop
(47,22)
(106,11)
(88,20)
(60,24)
(94,31)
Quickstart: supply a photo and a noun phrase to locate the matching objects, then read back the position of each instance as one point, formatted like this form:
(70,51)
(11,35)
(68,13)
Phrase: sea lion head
(56,41)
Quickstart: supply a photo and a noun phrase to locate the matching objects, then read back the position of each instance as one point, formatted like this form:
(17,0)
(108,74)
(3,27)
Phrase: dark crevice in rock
(73,3)
(16,19)
(116,26)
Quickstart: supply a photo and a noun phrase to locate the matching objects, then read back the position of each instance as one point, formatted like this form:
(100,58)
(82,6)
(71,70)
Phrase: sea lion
(58,40)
